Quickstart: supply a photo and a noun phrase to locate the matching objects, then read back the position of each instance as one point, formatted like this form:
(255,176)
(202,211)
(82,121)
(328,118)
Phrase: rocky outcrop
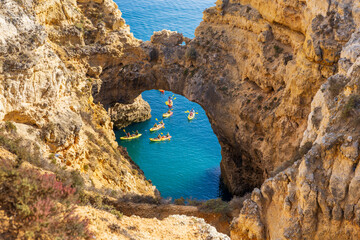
(106,226)
(123,115)
(268,66)
(317,197)
(51,54)
(48,60)
(278,81)
(259,68)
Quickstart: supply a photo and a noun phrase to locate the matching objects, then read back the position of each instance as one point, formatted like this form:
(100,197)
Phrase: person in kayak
(167,135)
(128,134)
(192,112)
(159,136)
(170,103)
(137,132)
(155,125)
(161,122)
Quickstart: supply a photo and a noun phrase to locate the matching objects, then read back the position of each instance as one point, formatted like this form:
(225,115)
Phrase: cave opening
(188,165)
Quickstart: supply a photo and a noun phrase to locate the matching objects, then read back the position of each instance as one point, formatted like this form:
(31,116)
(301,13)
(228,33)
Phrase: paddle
(189,111)
(125,132)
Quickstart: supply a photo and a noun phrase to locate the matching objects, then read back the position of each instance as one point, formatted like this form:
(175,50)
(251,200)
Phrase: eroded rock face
(123,115)
(49,55)
(250,63)
(317,197)
(278,80)
(284,74)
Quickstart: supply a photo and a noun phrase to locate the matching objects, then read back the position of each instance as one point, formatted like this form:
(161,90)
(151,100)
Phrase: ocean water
(189,164)
(147,16)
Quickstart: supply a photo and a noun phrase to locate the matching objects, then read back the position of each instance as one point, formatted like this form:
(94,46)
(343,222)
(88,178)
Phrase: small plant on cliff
(215,205)
(42,207)
(190,53)
(79,26)
(336,84)
(352,103)
(9,126)
(179,201)
(278,50)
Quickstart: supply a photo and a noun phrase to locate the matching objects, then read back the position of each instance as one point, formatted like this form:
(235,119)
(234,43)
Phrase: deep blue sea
(189,164)
(147,16)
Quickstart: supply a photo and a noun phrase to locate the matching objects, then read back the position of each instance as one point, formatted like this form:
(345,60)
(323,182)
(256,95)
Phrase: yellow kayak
(166,115)
(157,128)
(191,117)
(163,138)
(131,137)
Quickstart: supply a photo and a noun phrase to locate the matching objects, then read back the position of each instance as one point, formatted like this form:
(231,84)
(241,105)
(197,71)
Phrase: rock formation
(277,70)
(123,115)
(278,81)
(51,54)
(259,68)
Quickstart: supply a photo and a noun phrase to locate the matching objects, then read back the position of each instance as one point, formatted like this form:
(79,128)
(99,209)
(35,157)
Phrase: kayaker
(137,132)
(128,134)
(170,103)
(159,136)
(161,122)
(155,125)
(167,135)
(192,112)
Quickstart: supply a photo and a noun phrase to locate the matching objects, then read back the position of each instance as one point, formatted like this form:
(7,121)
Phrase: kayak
(168,104)
(163,138)
(131,137)
(162,91)
(157,128)
(166,115)
(191,117)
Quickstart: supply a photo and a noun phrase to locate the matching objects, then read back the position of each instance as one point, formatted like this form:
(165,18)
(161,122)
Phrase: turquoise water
(188,165)
(147,16)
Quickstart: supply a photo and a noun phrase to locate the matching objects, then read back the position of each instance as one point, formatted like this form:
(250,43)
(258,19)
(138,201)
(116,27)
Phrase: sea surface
(147,16)
(189,165)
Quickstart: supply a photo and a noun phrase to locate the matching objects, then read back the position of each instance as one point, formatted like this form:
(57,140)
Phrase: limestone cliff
(278,81)
(123,115)
(49,51)
(262,70)
(51,55)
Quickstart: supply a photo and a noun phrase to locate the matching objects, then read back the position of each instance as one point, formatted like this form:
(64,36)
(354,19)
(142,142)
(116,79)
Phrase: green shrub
(79,26)
(9,126)
(190,53)
(179,201)
(216,206)
(278,50)
(32,199)
(353,102)
(86,167)
(22,151)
